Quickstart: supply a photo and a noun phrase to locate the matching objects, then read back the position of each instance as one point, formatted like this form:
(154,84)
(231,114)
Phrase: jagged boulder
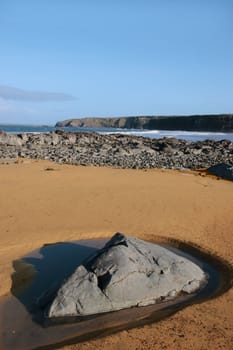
(126,272)
(222,170)
(10,139)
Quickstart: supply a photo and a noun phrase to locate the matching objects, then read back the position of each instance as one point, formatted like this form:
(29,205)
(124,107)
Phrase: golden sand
(42,202)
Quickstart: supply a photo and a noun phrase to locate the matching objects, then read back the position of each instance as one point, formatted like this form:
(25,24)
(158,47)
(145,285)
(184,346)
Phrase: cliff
(214,123)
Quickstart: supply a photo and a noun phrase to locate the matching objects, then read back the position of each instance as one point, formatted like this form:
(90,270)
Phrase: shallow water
(22,326)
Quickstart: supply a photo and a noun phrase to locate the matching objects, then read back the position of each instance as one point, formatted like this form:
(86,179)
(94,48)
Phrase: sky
(62,59)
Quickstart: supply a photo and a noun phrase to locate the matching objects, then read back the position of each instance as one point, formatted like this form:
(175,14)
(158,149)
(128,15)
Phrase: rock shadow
(38,276)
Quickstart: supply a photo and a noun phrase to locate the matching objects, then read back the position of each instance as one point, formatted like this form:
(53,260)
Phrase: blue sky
(65,59)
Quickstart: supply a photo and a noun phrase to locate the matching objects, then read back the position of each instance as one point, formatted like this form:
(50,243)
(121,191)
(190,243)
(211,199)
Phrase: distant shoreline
(152,134)
(201,123)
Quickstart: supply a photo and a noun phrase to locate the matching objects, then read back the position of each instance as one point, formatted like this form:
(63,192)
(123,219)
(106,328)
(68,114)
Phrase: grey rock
(121,151)
(10,139)
(127,272)
(222,170)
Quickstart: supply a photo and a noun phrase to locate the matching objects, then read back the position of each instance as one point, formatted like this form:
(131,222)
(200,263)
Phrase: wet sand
(43,202)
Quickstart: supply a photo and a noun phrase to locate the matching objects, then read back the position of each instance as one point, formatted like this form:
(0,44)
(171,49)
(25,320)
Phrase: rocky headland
(115,150)
(211,123)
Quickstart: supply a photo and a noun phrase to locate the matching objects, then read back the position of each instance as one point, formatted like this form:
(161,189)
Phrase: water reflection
(21,326)
(42,272)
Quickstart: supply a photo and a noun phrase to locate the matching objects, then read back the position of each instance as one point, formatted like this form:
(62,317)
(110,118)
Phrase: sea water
(154,134)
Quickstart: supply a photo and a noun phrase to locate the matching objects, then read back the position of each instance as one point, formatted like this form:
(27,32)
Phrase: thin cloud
(9,108)
(12,93)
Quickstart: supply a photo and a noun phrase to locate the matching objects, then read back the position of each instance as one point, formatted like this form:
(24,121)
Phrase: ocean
(154,134)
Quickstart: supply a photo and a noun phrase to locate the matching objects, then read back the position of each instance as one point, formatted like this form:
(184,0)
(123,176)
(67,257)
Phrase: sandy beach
(43,202)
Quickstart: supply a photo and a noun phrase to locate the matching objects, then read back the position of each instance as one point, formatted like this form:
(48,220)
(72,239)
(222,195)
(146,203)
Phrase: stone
(126,272)
(10,139)
(222,170)
(121,151)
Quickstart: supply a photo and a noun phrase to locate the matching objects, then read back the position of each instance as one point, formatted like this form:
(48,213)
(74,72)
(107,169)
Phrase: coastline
(208,122)
(153,133)
(68,202)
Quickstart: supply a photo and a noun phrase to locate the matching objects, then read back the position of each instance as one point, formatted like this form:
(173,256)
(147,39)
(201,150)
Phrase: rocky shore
(115,150)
